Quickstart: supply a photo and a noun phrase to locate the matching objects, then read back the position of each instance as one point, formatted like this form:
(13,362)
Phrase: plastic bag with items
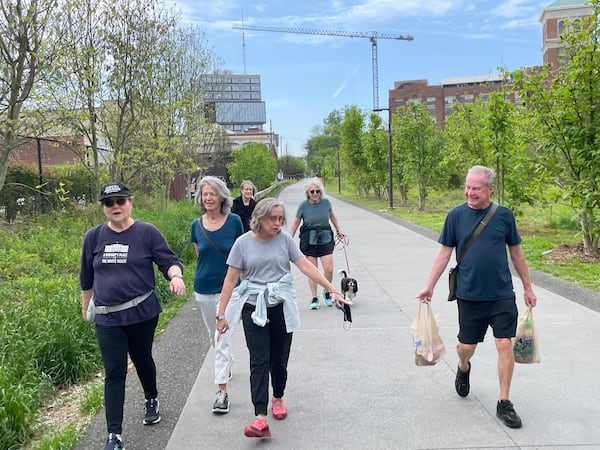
(429,348)
(526,346)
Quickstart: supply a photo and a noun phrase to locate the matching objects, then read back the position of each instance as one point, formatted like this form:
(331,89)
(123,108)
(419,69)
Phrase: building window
(449,104)
(468,98)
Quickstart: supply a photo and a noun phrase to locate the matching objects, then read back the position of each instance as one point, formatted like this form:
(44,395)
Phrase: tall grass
(44,343)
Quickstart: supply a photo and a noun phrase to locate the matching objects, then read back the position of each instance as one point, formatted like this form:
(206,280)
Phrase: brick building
(441,99)
(553,20)
(48,151)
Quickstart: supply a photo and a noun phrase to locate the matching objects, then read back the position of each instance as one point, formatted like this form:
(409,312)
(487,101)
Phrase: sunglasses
(315,191)
(109,202)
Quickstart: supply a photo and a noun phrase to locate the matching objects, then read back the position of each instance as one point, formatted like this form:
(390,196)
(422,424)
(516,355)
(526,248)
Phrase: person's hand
(177,286)
(425,295)
(339,297)
(530,298)
(222,327)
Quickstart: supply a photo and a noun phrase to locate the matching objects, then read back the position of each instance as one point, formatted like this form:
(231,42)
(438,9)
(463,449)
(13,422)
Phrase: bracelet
(220,318)
(177,275)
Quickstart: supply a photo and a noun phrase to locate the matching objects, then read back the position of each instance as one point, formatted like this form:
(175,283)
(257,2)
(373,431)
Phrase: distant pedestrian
(268,307)
(213,235)
(245,203)
(484,283)
(316,237)
(116,271)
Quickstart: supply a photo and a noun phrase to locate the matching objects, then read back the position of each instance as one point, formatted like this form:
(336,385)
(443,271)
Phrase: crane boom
(371,35)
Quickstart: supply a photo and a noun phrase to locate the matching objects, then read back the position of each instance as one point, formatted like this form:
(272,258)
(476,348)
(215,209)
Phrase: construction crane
(371,35)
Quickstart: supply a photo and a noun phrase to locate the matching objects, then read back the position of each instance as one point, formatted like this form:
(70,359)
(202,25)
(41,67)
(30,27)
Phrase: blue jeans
(115,344)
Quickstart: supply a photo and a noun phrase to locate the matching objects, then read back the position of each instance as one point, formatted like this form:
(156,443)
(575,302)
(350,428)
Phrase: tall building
(234,101)
(553,20)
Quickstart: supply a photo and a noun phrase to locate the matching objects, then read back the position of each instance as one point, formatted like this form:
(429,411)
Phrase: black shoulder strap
(478,230)
(210,240)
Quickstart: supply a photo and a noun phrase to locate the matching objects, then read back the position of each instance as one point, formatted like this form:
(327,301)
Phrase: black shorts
(474,317)
(316,250)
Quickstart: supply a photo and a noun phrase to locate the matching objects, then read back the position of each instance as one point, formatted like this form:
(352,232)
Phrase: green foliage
(93,398)
(253,162)
(563,121)
(292,166)
(63,439)
(44,343)
(419,143)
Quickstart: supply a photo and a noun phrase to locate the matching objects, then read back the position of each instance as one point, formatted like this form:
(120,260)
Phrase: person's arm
(231,279)
(315,274)
(518,259)
(439,265)
(85,301)
(334,221)
(294,226)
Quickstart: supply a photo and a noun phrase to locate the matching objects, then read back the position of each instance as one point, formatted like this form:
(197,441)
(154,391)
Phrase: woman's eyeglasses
(109,202)
(315,191)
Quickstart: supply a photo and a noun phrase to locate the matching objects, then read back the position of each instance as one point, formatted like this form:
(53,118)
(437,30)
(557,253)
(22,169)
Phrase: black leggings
(115,344)
(269,348)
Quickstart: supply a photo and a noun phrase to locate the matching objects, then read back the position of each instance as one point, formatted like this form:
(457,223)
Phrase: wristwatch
(177,275)
(220,318)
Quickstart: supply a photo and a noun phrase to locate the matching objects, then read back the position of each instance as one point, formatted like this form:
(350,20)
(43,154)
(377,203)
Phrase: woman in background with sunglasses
(117,268)
(316,237)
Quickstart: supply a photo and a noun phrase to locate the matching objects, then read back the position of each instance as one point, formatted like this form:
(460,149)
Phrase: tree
(351,148)
(28,43)
(419,141)
(292,166)
(375,147)
(563,118)
(253,162)
(323,146)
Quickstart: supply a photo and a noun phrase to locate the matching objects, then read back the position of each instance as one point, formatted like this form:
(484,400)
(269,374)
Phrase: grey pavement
(360,388)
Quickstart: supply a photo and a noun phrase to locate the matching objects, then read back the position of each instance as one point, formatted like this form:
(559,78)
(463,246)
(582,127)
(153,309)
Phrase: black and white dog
(349,286)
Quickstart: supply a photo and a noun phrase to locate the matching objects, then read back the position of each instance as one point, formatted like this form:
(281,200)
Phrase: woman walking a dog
(316,237)
(267,306)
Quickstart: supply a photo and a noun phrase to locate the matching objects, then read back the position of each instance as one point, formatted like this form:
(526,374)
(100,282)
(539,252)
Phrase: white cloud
(516,8)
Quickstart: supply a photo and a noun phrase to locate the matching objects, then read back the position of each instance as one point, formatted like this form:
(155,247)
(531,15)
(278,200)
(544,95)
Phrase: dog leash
(341,242)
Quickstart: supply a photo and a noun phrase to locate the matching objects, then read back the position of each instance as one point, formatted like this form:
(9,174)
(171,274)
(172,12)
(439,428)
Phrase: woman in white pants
(213,235)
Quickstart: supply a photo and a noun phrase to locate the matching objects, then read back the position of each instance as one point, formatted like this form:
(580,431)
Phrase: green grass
(543,228)
(44,343)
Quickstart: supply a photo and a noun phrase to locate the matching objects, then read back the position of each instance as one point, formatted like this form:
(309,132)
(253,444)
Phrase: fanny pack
(320,236)
(93,309)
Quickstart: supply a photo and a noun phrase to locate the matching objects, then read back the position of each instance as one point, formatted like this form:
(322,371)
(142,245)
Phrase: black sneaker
(506,411)
(151,412)
(314,304)
(114,443)
(461,383)
(221,405)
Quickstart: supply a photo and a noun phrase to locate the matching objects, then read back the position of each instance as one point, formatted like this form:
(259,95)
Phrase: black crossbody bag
(474,236)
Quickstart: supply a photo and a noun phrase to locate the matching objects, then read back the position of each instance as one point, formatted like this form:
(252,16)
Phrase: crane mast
(371,35)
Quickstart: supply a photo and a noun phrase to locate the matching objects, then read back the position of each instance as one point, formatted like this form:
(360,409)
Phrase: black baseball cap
(117,189)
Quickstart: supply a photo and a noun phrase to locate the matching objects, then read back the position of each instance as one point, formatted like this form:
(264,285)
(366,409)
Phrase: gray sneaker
(221,405)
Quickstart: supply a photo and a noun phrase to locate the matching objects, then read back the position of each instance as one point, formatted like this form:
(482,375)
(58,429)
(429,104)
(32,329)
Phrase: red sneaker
(278,408)
(259,428)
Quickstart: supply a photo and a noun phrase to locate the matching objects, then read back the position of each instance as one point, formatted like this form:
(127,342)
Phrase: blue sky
(305,77)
